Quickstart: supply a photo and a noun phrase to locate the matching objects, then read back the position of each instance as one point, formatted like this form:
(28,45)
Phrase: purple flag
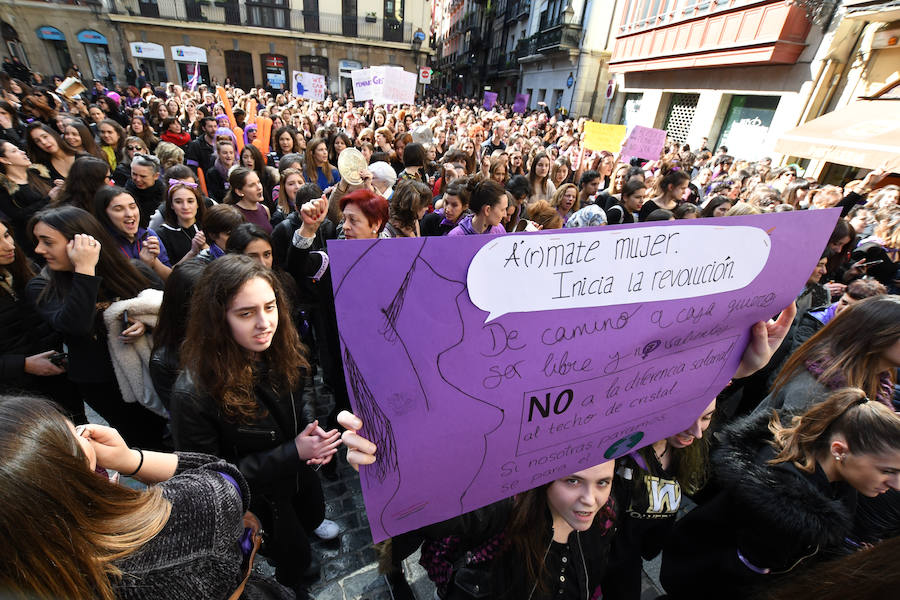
(521,103)
(485,365)
(490,99)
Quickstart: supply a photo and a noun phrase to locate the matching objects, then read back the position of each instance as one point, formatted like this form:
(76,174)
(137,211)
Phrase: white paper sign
(363,88)
(308,85)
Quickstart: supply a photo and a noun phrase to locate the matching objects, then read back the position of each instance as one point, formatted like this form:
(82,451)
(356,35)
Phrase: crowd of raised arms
(164,260)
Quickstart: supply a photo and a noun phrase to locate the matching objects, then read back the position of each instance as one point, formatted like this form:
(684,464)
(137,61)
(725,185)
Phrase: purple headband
(174,182)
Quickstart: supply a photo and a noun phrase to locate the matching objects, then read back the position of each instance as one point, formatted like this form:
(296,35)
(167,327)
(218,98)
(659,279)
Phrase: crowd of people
(164,260)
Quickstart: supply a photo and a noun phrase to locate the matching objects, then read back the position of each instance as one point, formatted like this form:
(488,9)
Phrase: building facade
(251,43)
(732,72)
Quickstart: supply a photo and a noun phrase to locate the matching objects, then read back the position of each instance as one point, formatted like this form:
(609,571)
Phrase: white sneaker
(327,530)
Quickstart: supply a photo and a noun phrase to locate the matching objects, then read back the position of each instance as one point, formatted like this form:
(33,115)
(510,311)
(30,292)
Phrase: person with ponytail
(790,496)
(488,202)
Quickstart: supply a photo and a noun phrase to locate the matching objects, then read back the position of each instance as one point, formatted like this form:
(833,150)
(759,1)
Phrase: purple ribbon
(174,182)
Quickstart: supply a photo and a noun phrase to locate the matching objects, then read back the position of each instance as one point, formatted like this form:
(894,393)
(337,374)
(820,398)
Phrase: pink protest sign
(483,366)
(643,142)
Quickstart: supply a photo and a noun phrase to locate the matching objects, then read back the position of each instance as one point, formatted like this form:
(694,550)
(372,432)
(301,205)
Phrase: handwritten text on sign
(484,366)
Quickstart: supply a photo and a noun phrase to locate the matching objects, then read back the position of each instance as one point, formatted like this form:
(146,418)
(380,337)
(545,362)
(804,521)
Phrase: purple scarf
(885,388)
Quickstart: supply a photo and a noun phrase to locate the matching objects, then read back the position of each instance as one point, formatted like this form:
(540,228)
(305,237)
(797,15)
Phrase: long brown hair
(227,373)
(64,526)
(309,162)
(869,427)
(120,278)
(850,347)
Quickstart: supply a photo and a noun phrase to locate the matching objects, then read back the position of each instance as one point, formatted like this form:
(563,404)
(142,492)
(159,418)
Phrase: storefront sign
(147,50)
(188,54)
(50,33)
(89,36)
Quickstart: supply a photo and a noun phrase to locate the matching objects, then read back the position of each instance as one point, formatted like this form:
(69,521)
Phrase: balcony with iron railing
(710,33)
(269,15)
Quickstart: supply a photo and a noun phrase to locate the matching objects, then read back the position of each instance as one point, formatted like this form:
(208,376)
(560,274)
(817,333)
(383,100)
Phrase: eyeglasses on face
(134,148)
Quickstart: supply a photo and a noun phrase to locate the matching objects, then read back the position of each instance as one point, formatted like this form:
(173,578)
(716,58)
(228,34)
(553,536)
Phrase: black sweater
(22,334)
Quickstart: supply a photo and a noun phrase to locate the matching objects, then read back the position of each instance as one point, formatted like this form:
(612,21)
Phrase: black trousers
(139,427)
(289,521)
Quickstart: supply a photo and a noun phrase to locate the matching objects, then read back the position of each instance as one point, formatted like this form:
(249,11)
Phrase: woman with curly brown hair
(244,402)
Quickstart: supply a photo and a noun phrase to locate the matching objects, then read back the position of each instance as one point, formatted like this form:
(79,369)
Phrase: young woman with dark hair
(85,272)
(139,127)
(455,206)
(284,142)
(117,210)
(413,162)
(790,496)
(245,193)
(252,158)
(88,175)
(244,403)
(628,208)
(24,190)
(183,214)
(716,206)
(83,536)
(11,127)
(488,202)
(340,142)
(80,138)
(46,147)
(408,204)
(28,342)
(217,177)
(317,168)
(539,178)
(672,186)
(165,358)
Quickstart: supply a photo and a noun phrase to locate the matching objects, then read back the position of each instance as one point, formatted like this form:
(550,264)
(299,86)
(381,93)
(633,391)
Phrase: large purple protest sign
(490,99)
(643,142)
(521,104)
(483,366)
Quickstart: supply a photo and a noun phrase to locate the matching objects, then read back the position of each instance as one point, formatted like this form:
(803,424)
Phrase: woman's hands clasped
(315,445)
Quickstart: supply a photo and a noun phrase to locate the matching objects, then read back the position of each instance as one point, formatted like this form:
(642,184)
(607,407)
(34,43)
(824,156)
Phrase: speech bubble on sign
(534,272)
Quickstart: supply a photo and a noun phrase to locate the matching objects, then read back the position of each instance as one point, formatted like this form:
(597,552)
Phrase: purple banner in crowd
(490,99)
(483,366)
(521,104)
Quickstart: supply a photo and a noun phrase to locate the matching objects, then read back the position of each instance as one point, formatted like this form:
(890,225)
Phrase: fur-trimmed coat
(767,520)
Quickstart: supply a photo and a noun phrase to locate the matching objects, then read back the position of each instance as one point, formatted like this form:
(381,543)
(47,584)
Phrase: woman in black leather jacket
(241,398)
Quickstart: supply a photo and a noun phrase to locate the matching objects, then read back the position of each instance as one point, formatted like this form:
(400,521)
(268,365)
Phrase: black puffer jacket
(767,520)
(22,334)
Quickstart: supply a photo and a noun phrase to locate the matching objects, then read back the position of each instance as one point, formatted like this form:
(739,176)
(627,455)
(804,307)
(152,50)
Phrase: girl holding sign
(551,541)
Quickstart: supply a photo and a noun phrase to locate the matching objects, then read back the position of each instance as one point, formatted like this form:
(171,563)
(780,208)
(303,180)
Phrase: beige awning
(865,133)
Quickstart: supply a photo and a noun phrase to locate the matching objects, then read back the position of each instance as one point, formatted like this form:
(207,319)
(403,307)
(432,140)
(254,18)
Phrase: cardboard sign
(483,366)
(644,142)
(603,136)
(309,85)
